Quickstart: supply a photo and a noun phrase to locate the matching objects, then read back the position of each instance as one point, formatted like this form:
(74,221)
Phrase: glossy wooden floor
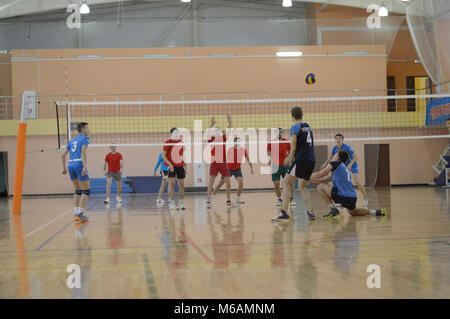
(142,251)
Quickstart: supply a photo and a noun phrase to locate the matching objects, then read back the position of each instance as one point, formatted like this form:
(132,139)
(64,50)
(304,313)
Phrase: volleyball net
(148,123)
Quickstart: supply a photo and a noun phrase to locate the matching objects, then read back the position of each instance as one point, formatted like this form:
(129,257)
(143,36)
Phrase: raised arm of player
(63,161)
(230,121)
(84,159)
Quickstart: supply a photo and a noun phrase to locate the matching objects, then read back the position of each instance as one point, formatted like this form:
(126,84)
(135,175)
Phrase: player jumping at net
(342,192)
(301,161)
(234,159)
(164,171)
(351,164)
(113,168)
(277,151)
(77,167)
(173,158)
(218,161)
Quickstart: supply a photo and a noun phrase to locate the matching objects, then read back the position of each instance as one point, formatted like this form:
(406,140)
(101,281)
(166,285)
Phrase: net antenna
(28,111)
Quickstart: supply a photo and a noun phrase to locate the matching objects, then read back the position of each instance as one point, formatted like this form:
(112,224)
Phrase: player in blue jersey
(301,161)
(77,167)
(351,164)
(342,192)
(164,171)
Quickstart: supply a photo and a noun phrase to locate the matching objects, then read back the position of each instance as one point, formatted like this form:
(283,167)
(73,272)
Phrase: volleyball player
(113,168)
(278,152)
(342,192)
(77,167)
(234,159)
(351,164)
(218,161)
(173,158)
(164,171)
(301,161)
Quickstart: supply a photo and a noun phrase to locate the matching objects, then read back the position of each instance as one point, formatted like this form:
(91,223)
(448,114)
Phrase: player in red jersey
(278,151)
(113,168)
(218,160)
(234,159)
(173,157)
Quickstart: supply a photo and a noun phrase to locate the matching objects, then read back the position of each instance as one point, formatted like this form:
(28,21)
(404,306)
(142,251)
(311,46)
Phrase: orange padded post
(20,166)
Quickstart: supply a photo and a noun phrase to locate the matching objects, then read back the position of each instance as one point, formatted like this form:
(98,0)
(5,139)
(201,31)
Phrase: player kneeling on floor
(342,192)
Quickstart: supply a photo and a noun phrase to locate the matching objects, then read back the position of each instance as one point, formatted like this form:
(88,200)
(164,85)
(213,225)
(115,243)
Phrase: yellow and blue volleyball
(310,78)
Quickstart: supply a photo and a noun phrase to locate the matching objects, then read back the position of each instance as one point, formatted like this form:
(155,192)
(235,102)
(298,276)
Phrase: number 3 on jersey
(74,146)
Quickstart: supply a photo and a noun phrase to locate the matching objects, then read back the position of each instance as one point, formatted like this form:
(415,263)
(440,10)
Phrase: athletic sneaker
(119,199)
(172,205)
(80,218)
(311,215)
(208,204)
(159,201)
(381,212)
(106,201)
(366,202)
(239,201)
(181,205)
(279,202)
(228,202)
(332,213)
(293,202)
(282,216)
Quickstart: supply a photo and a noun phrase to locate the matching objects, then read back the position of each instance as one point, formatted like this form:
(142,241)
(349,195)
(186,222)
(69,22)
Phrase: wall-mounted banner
(438,111)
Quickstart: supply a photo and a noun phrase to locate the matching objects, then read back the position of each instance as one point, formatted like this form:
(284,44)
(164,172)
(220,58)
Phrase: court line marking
(46,224)
(151,285)
(207,245)
(55,219)
(53,236)
(197,248)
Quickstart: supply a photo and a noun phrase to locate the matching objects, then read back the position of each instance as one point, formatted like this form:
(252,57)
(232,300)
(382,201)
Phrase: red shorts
(217,168)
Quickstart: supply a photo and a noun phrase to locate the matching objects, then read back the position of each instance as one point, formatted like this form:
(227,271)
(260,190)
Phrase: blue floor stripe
(53,236)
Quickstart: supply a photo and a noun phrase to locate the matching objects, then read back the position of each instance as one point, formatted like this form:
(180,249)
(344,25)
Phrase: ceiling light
(84,9)
(287,3)
(186,1)
(383,11)
(284,54)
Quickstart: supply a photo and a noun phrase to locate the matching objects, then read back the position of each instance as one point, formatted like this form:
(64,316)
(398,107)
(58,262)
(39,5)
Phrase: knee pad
(86,192)
(78,192)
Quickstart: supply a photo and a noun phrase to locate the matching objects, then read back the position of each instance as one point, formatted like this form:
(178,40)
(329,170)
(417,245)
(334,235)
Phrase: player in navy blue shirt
(77,167)
(351,164)
(301,161)
(342,192)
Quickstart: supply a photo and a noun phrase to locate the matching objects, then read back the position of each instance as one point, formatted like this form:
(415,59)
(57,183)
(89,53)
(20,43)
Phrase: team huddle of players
(291,160)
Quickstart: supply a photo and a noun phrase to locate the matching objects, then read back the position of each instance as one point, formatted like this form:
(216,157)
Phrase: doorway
(3,174)
(377,165)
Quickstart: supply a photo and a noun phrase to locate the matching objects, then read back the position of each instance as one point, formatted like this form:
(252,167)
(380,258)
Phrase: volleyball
(310,78)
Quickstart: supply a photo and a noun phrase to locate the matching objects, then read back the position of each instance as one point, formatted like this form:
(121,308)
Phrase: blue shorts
(75,172)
